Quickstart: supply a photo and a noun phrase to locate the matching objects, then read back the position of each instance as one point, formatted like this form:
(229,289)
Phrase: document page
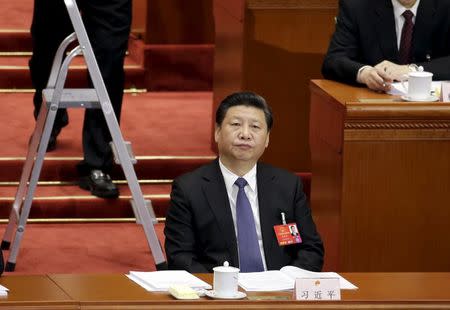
(265,281)
(162,280)
(295,272)
(284,279)
(3,291)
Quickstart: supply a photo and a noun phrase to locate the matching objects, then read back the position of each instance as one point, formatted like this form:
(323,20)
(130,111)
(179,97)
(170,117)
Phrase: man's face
(407,3)
(243,135)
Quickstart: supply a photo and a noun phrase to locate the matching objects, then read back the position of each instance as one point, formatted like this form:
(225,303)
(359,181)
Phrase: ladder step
(129,151)
(74,98)
(148,208)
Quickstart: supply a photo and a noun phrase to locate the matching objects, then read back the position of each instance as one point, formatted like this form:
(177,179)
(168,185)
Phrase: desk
(381,179)
(34,292)
(107,291)
(389,291)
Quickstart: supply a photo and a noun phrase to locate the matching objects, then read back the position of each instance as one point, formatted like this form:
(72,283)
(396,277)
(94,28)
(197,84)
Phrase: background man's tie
(406,38)
(249,255)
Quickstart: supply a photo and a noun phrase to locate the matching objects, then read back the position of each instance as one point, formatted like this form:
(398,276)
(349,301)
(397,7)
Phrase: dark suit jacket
(365,35)
(199,227)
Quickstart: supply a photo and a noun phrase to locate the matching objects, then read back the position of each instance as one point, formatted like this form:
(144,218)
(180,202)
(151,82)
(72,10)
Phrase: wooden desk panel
(34,292)
(382,173)
(274,47)
(380,290)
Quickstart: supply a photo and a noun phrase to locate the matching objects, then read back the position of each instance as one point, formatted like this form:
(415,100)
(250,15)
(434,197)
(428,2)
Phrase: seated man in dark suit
(380,41)
(227,210)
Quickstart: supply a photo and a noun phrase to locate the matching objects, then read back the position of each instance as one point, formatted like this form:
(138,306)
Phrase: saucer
(428,99)
(212,294)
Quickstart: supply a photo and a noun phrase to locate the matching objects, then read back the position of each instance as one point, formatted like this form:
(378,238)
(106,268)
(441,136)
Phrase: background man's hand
(393,71)
(375,79)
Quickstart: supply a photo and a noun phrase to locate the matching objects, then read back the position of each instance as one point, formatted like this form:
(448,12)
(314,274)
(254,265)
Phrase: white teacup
(419,85)
(225,280)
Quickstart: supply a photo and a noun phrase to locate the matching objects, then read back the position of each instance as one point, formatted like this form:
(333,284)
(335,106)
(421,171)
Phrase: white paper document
(3,291)
(284,279)
(160,281)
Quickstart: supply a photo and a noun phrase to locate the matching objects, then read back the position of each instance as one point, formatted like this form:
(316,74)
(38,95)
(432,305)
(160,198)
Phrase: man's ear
(267,139)
(216,132)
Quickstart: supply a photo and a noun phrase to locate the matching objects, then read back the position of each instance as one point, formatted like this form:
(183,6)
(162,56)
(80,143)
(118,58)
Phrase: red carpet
(83,248)
(16,14)
(170,133)
(163,124)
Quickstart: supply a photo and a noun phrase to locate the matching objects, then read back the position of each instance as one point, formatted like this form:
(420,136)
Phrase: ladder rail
(39,159)
(23,184)
(59,58)
(116,135)
(43,130)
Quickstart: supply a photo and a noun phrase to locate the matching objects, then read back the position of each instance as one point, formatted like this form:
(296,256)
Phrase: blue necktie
(249,255)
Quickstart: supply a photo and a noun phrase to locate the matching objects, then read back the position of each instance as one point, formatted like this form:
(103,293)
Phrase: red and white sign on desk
(316,289)
(445,91)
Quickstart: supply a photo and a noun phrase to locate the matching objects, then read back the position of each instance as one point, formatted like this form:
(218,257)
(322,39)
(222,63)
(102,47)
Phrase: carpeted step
(14,73)
(70,202)
(64,168)
(170,134)
(58,201)
(15,40)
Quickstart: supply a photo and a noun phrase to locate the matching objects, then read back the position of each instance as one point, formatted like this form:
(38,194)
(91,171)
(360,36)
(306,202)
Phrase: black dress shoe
(52,140)
(51,143)
(99,184)
(51,146)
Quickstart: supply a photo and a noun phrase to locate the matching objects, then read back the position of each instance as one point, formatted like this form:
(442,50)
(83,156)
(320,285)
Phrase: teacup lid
(226,268)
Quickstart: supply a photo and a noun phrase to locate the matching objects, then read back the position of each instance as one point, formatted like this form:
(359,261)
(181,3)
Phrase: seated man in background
(227,210)
(380,41)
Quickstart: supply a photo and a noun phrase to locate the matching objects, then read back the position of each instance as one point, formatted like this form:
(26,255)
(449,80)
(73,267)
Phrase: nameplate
(316,289)
(445,91)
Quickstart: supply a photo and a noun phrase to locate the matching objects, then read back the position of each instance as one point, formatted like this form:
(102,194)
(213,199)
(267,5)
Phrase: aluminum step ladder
(55,96)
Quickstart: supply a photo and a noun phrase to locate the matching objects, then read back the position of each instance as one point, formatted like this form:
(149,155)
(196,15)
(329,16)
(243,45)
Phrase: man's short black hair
(246,99)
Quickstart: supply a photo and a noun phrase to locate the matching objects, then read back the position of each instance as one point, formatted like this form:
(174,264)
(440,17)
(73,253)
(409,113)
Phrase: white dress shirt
(251,190)
(400,20)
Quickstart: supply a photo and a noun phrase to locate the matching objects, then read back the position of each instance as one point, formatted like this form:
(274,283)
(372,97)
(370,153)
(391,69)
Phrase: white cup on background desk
(419,85)
(225,280)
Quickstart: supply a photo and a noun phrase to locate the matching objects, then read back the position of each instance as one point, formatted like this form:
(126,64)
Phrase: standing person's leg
(108,24)
(50,26)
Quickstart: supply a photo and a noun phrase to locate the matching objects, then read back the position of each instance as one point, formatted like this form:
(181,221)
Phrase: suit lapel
(265,197)
(423,28)
(216,194)
(385,28)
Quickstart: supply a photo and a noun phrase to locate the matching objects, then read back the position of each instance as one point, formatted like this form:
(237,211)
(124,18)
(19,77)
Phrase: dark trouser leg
(108,25)
(50,26)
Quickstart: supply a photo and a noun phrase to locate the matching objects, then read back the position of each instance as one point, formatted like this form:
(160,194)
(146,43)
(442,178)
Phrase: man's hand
(393,71)
(375,79)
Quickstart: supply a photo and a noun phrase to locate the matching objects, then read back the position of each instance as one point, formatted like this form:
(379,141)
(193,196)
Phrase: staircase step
(14,73)
(69,201)
(170,134)
(15,40)
(64,168)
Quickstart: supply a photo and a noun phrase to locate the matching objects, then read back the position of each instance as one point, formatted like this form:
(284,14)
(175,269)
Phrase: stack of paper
(284,279)
(160,281)
(3,291)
